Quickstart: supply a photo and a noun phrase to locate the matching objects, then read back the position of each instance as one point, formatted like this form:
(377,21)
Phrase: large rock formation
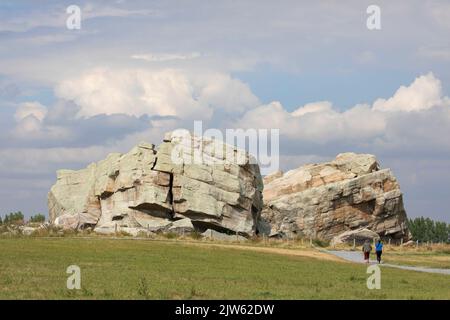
(326,200)
(194,183)
(187,183)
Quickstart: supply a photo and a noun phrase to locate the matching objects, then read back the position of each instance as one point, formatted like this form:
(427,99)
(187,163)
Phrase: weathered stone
(182,226)
(214,235)
(27,231)
(117,189)
(197,180)
(209,186)
(113,230)
(358,236)
(152,223)
(328,199)
(275,175)
(410,243)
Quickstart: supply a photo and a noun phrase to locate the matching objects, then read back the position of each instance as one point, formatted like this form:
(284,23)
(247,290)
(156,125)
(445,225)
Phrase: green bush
(37,218)
(321,243)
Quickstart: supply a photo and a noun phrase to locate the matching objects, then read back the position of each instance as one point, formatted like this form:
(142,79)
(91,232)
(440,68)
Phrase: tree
(441,231)
(37,218)
(14,217)
(425,229)
(1,221)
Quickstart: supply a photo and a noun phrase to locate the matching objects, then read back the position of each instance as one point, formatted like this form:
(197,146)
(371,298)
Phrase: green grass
(432,259)
(135,269)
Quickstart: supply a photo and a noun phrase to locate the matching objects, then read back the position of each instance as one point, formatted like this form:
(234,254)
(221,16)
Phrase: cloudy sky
(313,69)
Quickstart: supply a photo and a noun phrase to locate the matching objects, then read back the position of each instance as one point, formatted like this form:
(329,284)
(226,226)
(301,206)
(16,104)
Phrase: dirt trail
(356,257)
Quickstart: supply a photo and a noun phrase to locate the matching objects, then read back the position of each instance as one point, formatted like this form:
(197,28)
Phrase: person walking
(366,248)
(379,250)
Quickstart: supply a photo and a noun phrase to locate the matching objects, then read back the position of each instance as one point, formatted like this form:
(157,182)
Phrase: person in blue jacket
(379,250)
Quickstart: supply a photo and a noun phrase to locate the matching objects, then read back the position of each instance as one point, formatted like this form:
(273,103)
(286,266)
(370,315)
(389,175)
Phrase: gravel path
(356,256)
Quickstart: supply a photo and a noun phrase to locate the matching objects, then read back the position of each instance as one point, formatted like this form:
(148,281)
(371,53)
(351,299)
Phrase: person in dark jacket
(366,248)
(379,250)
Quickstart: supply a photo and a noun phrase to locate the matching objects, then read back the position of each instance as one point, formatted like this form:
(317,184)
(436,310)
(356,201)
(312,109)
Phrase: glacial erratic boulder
(191,183)
(326,200)
(187,183)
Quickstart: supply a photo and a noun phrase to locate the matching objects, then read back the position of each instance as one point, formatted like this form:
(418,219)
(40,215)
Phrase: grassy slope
(122,269)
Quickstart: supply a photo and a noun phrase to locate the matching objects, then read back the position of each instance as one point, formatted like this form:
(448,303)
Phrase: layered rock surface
(187,183)
(328,199)
(192,183)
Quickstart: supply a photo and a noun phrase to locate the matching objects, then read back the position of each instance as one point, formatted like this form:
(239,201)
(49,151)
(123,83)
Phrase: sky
(313,69)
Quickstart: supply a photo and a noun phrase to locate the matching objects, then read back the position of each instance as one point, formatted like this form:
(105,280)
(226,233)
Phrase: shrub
(196,235)
(37,218)
(123,233)
(143,290)
(170,235)
(142,234)
(321,243)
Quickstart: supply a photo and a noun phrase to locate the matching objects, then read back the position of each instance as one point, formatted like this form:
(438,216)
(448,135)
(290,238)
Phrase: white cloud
(55,16)
(424,93)
(91,10)
(321,106)
(364,125)
(162,57)
(316,122)
(221,91)
(26,109)
(167,92)
(46,160)
(271,115)
(31,129)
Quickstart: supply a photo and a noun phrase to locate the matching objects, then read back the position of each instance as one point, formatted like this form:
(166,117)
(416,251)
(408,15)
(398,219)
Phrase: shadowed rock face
(326,200)
(162,190)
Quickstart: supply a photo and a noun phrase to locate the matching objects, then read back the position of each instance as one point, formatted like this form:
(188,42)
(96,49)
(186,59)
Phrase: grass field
(35,268)
(436,258)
